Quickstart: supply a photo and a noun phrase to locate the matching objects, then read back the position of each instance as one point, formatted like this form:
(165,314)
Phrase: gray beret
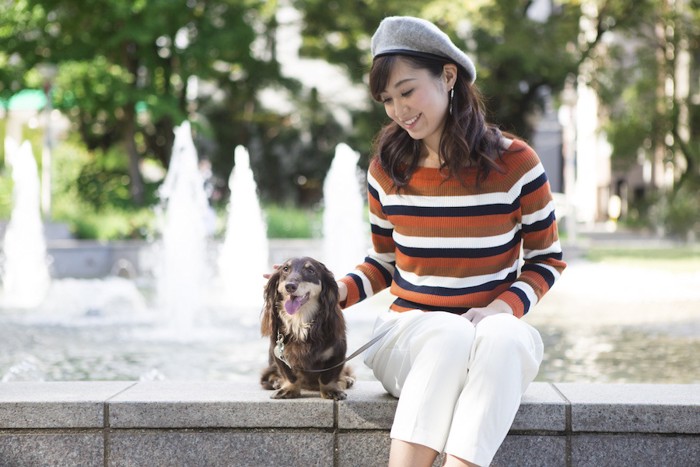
(406,35)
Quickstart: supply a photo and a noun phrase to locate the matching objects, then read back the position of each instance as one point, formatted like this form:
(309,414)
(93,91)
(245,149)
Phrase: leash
(279,351)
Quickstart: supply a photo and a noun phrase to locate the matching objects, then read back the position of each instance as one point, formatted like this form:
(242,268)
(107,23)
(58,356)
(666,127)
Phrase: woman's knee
(506,335)
(450,335)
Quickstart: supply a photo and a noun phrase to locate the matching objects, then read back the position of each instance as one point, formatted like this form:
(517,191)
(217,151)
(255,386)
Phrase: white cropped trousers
(459,385)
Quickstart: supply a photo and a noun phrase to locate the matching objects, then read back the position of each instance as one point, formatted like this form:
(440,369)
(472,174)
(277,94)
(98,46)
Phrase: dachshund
(305,324)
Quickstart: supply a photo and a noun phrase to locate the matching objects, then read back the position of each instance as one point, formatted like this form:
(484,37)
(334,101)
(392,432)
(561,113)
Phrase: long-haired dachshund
(306,327)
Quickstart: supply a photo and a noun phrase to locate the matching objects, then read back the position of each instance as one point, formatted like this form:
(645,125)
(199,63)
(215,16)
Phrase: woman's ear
(449,75)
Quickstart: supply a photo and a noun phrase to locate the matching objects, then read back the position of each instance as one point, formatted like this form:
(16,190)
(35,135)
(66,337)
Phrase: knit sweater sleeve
(542,253)
(375,273)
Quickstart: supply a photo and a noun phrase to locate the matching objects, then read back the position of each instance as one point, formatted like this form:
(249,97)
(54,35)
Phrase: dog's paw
(335,394)
(348,380)
(286,393)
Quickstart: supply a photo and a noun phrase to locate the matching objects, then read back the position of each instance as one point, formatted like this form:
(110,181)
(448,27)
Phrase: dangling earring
(452,95)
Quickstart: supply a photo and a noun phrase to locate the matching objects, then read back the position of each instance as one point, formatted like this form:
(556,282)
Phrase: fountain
(104,329)
(345,232)
(181,269)
(25,275)
(244,255)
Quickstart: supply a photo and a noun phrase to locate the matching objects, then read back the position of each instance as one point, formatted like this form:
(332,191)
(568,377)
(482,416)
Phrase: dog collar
(279,349)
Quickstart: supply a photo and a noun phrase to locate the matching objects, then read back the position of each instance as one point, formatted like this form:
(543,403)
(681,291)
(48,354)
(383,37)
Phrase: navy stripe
(358,283)
(373,192)
(534,185)
(419,306)
(449,292)
(382,232)
(543,224)
(385,274)
(523,298)
(541,258)
(447,211)
(544,272)
(459,253)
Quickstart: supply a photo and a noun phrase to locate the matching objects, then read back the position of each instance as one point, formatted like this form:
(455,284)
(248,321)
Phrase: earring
(452,95)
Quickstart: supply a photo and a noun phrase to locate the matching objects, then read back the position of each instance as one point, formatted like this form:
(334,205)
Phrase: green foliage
(113,55)
(125,69)
(91,196)
(287,221)
(678,258)
(683,212)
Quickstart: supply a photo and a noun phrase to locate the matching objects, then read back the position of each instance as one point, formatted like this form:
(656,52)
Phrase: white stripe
(371,181)
(366,285)
(539,215)
(456,282)
(379,222)
(549,268)
(529,292)
(387,260)
(553,248)
(461,201)
(455,242)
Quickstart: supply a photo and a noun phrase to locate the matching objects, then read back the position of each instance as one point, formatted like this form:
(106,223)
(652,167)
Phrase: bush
(683,212)
(292,222)
(96,208)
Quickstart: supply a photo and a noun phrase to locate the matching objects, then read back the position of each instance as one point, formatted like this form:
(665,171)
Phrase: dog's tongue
(294,303)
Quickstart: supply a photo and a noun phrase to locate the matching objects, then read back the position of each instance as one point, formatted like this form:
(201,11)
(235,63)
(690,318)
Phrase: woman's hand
(342,291)
(275,267)
(477,314)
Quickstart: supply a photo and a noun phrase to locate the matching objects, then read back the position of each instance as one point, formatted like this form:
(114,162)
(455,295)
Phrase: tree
(649,82)
(126,67)
(496,33)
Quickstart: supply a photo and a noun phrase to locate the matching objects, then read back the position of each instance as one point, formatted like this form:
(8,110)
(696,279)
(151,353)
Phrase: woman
(452,201)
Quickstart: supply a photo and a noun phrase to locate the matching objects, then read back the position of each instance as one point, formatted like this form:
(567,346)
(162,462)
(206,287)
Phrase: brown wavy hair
(467,139)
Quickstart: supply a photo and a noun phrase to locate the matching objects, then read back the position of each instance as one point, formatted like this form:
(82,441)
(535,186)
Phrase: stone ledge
(220,423)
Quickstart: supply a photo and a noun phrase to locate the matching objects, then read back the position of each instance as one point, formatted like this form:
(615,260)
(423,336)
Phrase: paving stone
(634,450)
(78,404)
(171,404)
(220,448)
(531,451)
(542,408)
(38,450)
(368,407)
(633,408)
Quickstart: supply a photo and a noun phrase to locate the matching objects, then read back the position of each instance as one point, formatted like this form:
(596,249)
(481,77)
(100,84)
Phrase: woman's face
(417,101)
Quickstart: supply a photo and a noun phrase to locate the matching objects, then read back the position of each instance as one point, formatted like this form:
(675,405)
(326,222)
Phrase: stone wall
(236,424)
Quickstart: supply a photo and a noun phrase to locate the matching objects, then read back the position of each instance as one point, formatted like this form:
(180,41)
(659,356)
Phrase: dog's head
(299,287)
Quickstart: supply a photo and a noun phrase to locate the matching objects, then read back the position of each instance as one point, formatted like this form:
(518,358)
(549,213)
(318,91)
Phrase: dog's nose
(291,287)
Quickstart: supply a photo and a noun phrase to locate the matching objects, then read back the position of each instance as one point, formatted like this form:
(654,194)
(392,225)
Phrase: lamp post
(48,73)
(568,121)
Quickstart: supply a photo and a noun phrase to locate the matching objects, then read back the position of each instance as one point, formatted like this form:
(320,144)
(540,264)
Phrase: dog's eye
(285,268)
(310,270)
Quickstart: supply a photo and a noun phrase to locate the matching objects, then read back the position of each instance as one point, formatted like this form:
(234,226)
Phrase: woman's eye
(407,93)
(386,100)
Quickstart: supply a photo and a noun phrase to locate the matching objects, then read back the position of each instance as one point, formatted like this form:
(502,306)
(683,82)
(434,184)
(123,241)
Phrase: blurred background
(606,91)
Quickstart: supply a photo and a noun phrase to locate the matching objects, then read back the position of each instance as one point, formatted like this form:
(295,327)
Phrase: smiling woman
(455,207)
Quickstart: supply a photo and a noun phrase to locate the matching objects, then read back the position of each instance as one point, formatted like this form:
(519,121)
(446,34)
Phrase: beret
(406,35)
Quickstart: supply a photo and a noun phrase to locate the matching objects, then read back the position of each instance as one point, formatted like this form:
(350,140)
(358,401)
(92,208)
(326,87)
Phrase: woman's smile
(410,123)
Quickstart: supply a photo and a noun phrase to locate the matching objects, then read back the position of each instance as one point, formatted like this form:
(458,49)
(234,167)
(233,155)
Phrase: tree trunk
(136,188)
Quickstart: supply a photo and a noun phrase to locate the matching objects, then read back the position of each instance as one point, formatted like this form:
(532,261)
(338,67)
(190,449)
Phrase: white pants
(459,385)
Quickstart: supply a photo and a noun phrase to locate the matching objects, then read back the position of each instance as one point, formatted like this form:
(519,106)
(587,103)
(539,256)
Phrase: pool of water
(595,326)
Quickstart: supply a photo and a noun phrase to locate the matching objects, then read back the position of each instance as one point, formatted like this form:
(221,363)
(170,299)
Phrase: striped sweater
(444,245)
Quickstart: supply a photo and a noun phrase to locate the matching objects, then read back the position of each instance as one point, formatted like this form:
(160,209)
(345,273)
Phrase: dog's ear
(333,324)
(269,310)
(329,294)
